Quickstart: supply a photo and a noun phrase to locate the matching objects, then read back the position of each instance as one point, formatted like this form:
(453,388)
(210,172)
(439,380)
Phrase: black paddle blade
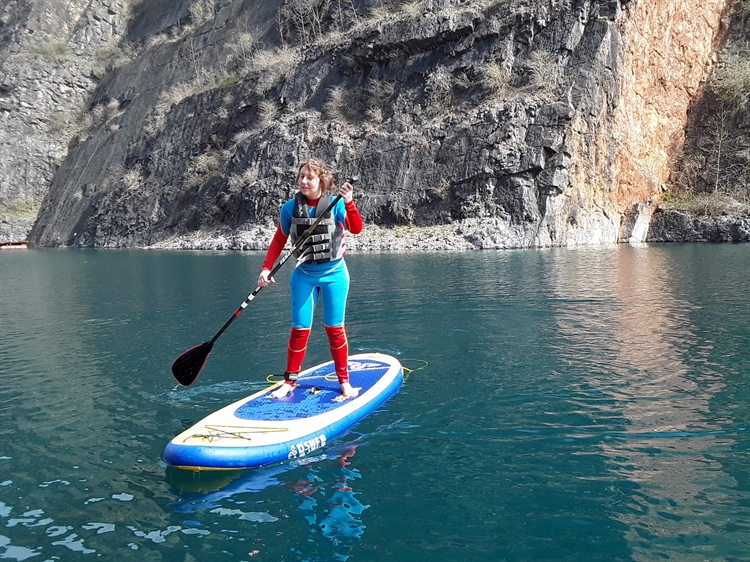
(188,366)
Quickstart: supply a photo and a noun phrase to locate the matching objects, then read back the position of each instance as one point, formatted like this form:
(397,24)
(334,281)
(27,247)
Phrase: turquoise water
(581,405)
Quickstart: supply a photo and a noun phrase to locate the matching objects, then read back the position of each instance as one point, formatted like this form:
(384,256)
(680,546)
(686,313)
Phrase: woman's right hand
(264,279)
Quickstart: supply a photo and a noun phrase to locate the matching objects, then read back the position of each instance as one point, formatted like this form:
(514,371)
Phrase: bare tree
(302,19)
(718,150)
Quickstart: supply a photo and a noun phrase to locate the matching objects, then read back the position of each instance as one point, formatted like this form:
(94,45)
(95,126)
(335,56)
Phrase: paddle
(188,366)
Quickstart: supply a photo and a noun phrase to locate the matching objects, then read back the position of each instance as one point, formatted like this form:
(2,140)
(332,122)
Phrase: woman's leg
(335,289)
(339,351)
(304,294)
(295,352)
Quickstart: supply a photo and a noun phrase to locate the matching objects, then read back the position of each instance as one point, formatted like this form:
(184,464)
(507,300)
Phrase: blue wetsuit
(311,280)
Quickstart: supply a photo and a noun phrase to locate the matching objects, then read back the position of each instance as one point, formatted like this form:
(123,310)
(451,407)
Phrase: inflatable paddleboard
(259,430)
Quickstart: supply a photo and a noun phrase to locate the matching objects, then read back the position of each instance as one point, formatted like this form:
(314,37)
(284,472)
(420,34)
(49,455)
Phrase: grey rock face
(674,226)
(48,51)
(403,102)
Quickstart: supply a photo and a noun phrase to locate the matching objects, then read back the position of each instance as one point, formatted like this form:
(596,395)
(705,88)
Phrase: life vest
(326,242)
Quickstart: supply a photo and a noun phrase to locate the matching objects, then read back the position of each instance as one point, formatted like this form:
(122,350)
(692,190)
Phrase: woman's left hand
(347,192)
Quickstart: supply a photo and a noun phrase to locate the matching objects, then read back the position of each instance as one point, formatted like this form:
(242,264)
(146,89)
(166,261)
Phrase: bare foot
(347,391)
(282,391)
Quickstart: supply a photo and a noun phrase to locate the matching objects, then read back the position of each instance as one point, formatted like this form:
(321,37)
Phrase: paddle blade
(188,366)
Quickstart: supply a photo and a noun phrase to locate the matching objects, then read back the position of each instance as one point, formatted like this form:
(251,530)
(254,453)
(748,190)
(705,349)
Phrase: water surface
(582,405)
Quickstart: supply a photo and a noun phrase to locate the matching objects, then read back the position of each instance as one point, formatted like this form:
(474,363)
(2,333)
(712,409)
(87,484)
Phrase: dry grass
(160,39)
(395,11)
(546,74)
(105,111)
(177,93)
(731,82)
(334,106)
(495,78)
(114,54)
(242,136)
(57,50)
(439,86)
(132,179)
(741,9)
(333,39)
(375,115)
(269,59)
(342,104)
(244,45)
(201,168)
(182,90)
(71,125)
(267,112)
(237,182)
(273,65)
(156,121)
(413,9)
(201,12)
(708,204)
(379,93)
(380,12)
(487,4)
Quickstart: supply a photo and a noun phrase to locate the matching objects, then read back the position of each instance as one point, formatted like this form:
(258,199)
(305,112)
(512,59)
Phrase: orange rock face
(667,50)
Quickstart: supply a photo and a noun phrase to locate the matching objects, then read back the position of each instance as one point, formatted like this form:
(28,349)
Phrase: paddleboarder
(320,271)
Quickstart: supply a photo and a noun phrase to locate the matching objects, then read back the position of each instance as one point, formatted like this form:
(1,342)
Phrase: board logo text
(307,446)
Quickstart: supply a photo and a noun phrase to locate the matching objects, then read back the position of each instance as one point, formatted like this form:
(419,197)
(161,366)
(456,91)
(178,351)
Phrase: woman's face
(309,183)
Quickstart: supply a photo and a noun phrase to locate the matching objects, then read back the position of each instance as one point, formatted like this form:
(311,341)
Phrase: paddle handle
(281,262)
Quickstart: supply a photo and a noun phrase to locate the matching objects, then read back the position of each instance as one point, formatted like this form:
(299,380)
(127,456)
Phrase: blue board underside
(364,373)
(314,393)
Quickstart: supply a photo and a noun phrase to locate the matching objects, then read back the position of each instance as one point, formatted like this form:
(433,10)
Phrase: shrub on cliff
(731,82)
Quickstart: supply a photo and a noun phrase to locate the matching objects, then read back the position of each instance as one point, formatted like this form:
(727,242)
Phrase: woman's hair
(320,169)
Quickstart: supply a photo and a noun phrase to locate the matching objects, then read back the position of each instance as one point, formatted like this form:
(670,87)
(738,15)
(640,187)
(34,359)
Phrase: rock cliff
(708,198)
(47,51)
(497,123)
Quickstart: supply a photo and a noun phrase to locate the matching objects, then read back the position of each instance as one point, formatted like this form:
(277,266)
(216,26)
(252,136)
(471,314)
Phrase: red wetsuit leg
(339,351)
(295,352)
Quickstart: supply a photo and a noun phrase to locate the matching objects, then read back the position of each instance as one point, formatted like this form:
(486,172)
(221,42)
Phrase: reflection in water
(337,517)
(635,340)
(206,489)
(327,500)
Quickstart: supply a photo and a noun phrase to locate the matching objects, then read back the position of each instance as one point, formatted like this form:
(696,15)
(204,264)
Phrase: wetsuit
(327,278)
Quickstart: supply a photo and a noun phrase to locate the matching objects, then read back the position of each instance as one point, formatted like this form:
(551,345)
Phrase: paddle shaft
(281,262)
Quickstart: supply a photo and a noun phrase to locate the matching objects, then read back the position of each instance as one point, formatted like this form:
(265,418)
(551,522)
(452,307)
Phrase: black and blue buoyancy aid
(326,242)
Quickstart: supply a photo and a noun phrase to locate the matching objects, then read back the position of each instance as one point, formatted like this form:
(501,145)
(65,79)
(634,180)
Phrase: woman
(321,270)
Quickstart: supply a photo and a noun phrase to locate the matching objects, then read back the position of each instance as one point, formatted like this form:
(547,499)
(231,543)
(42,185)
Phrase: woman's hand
(347,192)
(264,279)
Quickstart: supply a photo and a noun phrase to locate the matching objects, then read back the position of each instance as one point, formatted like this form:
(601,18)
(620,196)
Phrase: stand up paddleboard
(259,430)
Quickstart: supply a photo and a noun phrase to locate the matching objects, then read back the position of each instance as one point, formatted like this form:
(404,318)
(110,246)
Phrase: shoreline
(667,226)
(374,239)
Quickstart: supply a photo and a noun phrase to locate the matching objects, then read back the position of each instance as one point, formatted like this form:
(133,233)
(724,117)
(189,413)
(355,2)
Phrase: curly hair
(320,169)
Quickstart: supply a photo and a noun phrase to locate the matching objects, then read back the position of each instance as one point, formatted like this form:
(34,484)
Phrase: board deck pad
(315,393)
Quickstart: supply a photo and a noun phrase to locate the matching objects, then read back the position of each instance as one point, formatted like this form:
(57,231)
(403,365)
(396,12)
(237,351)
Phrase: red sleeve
(353,218)
(275,248)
